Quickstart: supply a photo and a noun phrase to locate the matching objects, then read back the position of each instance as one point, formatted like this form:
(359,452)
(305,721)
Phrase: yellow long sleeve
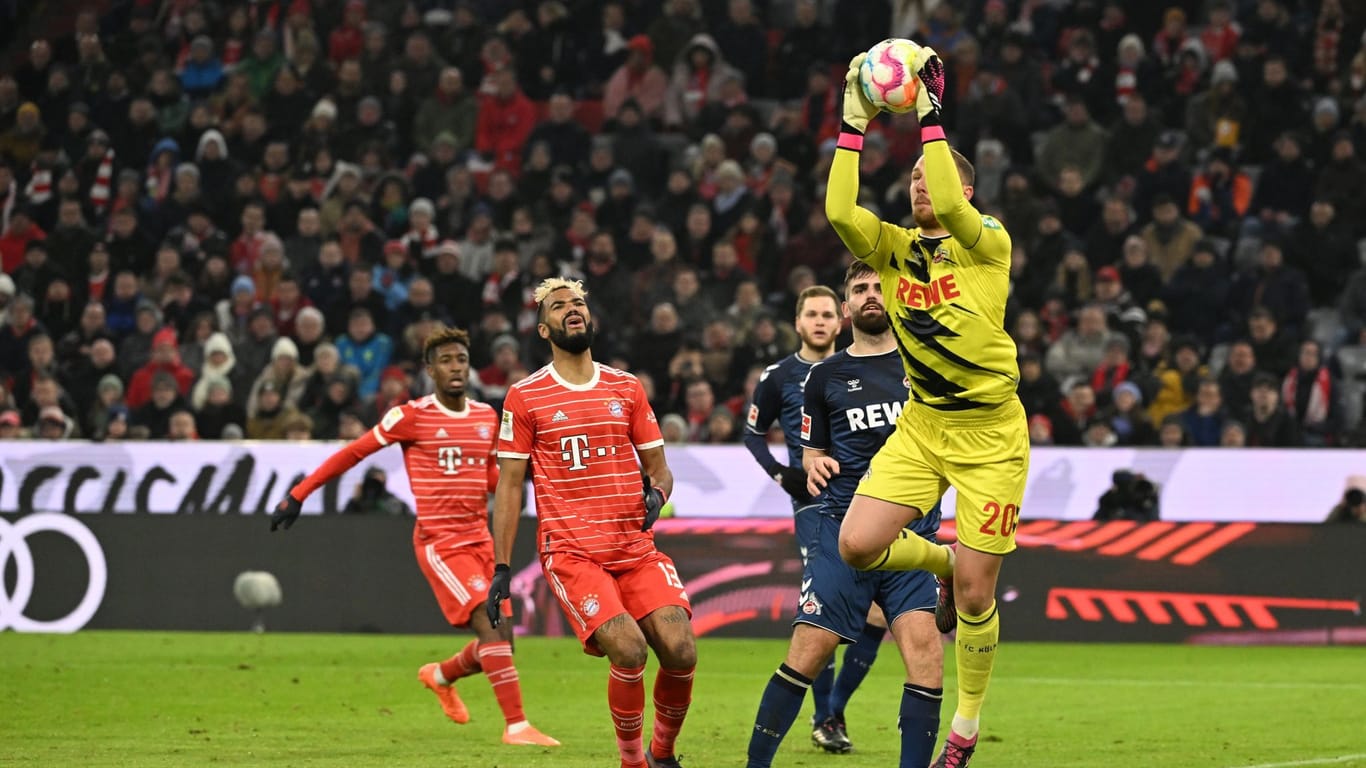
(858,227)
(945,186)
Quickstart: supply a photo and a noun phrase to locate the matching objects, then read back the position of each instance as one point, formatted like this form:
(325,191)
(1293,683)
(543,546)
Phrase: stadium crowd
(226,219)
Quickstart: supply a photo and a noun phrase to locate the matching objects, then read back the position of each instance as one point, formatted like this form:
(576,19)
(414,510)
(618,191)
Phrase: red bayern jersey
(582,440)
(451,458)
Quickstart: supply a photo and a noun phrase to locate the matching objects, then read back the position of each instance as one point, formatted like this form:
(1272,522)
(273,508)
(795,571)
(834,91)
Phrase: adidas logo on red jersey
(559,416)
(441,432)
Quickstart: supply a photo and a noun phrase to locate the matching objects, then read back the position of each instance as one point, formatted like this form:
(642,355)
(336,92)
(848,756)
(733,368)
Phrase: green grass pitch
(170,699)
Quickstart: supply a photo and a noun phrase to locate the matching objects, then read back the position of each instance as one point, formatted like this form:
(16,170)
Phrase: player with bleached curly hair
(579,426)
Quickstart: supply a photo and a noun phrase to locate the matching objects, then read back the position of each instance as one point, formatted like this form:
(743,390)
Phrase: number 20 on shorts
(1008,517)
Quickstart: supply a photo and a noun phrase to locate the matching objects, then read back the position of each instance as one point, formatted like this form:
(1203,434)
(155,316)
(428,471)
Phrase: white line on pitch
(1317,761)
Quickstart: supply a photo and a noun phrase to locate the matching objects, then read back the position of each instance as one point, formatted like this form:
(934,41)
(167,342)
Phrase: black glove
(654,501)
(793,480)
(286,512)
(499,590)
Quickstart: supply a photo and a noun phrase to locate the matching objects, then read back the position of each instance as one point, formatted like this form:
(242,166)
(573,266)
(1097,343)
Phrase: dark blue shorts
(806,525)
(836,597)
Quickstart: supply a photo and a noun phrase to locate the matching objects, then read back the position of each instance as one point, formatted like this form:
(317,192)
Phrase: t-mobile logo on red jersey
(574,449)
(448,458)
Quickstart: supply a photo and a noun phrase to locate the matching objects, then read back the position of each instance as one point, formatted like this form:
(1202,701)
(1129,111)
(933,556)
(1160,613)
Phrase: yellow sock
(976,653)
(909,552)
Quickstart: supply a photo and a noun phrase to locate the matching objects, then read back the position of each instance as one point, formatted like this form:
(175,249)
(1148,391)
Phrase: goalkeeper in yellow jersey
(945,283)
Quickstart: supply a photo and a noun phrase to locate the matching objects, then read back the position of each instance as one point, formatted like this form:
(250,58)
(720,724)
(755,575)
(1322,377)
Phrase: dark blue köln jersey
(850,408)
(778,396)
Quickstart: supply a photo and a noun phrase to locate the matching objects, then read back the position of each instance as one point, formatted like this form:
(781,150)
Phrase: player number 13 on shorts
(670,575)
(1008,518)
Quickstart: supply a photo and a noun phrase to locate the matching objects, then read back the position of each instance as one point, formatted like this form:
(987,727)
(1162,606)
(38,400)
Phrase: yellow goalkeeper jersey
(945,296)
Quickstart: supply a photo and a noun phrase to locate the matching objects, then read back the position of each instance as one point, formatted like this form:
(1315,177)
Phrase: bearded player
(448,443)
(850,404)
(778,397)
(945,282)
(580,426)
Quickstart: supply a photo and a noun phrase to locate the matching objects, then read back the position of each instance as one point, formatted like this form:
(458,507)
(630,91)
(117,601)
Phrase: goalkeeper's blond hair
(552,284)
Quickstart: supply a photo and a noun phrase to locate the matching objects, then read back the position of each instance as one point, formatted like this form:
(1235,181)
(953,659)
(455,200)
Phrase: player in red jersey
(449,449)
(580,426)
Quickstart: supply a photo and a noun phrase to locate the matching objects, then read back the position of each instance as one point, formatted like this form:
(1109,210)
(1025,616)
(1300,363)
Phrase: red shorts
(590,594)
(459,577)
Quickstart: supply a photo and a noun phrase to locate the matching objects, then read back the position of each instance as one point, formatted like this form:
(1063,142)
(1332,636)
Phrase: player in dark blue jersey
(778,397)
(851,402)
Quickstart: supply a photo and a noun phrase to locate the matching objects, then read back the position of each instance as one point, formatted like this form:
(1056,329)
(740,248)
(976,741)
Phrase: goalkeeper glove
(500,589)
(857,109)
(654,501)
(286,512)
(793,480)
(930,69)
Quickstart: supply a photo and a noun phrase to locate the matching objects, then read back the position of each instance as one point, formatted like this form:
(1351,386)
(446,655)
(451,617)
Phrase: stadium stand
(261,207)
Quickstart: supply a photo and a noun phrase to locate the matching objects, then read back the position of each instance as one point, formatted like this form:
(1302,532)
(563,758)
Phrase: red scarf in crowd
(1107,377)
(1316,410)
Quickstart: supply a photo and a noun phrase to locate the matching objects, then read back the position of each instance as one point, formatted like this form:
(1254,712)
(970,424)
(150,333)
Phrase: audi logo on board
(14,545)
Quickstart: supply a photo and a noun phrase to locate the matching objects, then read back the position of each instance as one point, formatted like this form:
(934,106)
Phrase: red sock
(673,693)
(462,664)
(496,658)
(626,698)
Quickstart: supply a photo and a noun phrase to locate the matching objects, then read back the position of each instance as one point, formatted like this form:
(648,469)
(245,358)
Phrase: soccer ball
(888,75)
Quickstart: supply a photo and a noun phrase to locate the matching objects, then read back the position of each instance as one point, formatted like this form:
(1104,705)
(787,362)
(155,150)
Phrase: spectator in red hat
(639,78)
(165,358)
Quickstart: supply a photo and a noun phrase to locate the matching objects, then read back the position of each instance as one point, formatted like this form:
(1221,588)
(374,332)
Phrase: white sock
(516,728)
(438,677)
(964,727)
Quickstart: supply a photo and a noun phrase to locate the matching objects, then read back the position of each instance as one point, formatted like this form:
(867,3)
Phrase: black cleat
(945,614)
(955,755)
(830,735)
(661,762)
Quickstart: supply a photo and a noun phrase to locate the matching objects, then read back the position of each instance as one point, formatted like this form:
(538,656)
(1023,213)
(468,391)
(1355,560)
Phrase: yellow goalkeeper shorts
(983,454)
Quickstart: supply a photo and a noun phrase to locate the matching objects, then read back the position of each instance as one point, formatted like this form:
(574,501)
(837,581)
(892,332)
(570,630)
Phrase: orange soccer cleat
(450,700)
(529,736)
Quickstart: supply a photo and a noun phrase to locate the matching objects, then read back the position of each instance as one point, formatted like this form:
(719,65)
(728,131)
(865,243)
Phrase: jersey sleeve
(337,465)
(398,425)
(983,239)
(493,455)
(517,430)
(645,432)
(815,410)
(862,232)
(767,404)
